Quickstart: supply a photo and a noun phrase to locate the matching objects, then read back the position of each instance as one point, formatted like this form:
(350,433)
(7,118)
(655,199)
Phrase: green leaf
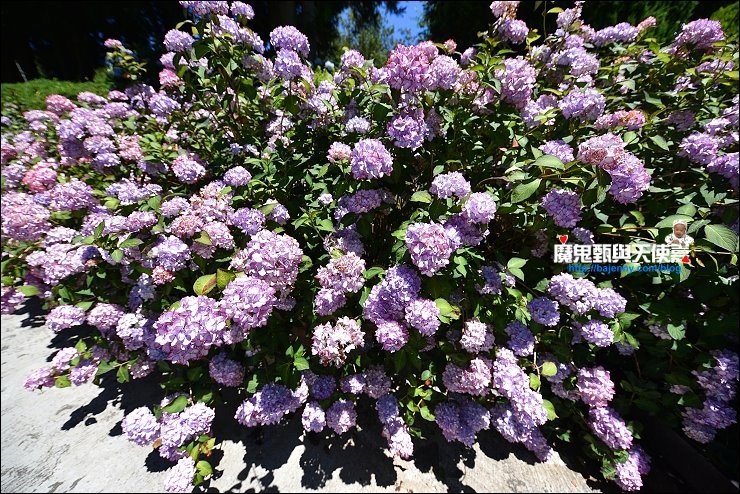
(676,332)
(117,255)
(517,272)
(195,373)
(28,290)
(85,305)
(421,196)
(549,369)
(551,415)
(549,161)
(426,414)
(122,374)
(131,242)
(204,284)
(253,384)
(534,381)
(301,364)
(668,222)
(177,406)
(204,468)
(660,142)
(721,236)
(104,367)
(516,262)
(524,190)
(373,272)
(325,225)
(62,382)
(154,202)
(204,239)
(224,277)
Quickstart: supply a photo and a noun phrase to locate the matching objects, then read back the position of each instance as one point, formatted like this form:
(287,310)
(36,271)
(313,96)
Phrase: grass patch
(31,95)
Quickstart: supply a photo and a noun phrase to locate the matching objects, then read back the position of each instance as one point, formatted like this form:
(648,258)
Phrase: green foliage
(31,95)
(729,16)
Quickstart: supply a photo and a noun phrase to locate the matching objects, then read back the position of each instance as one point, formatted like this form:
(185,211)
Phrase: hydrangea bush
(322,241)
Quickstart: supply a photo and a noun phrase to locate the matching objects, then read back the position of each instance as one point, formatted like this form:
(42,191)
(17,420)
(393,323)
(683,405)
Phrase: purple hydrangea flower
(429,247)
(423,314)
(609,427)
(188,332)
(391,335)
(332,344)
(521,339)
(559,149)
(370,159)
(595,386)
(140,426)
(341,416)
(225,371)
(450,184)
(544,311)
(313,417)
(563,206)
(585,105)
(65,316)
(248,301)
(479,208)
(180,477)
(289,38)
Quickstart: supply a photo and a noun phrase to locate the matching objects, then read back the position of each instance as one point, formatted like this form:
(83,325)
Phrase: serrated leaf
(204,239)
(549,369)
(668,222)
(373,272)
(524,190)
(117,255)
(534,381)
(85,305)
(721,236)
(178,405)
(122,374)
(204,284)
(204,468)
(660,142)
(252,384)
(28,290)
(549,161)
(224,277)
(301,364)
(551,415)
(516,262)
(131,242)
(676,332)
(325,225)
(426,414)
(104,367)
(62,382)
(421,196)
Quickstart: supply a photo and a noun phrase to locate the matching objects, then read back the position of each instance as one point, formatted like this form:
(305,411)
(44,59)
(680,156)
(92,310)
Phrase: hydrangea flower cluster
(395,429)
(333,343)
(563,206)
(370,159)
(188,332)
(719,384)
(269,404)
(461,420)
(429,246)
(248,301)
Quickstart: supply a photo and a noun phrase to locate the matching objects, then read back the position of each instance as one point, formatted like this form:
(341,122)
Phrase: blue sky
(409,19)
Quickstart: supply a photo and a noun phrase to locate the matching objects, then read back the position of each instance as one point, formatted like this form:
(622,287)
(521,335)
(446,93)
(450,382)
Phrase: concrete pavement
(70,440)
